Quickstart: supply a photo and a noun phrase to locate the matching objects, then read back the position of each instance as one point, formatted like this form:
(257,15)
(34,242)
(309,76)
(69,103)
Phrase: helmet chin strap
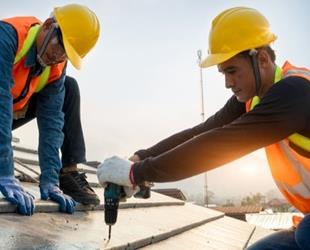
(44,44)
(258,80)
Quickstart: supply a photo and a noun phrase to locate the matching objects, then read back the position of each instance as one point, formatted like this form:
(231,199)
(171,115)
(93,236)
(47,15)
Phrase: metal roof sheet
(224,233)
(239,209)
(172,192)
(272,221)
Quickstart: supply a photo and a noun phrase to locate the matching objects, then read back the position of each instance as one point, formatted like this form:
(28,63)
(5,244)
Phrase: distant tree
(283,208)
(253,199)
(273,194)
(278,205)
(198,198)
(229,203)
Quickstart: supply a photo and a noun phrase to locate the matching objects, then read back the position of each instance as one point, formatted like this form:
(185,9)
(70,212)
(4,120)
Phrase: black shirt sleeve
(283,111)
(227,114)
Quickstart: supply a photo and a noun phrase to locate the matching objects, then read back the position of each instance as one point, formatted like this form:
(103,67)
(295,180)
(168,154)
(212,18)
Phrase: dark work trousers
(73,147)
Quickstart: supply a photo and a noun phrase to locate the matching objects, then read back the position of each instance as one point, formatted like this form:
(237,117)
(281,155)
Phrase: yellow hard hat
(235,30)
(80,30)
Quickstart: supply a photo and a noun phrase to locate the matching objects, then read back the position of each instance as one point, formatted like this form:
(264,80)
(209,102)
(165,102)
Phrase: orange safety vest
(21,73)
(290,170)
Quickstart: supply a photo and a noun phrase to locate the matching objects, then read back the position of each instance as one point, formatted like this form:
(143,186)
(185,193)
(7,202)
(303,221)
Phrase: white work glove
(117,170)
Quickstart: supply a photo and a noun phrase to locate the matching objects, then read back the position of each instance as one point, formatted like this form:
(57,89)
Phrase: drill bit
(110,227)
(112,195)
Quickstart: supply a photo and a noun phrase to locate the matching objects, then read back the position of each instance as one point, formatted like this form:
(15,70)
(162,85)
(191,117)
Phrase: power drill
(113,194)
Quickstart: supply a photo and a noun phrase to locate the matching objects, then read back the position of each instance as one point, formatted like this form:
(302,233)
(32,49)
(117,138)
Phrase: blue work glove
(52,191)
(15,194)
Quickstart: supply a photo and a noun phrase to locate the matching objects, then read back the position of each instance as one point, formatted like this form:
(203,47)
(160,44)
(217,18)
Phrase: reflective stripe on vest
(291,174)
(302,188)
(30,39)
(297,139)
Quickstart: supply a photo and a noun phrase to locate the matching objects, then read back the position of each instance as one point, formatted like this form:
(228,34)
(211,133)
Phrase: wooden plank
(26,176)
(16,160)
(156,200)
(27,161)
(25,150)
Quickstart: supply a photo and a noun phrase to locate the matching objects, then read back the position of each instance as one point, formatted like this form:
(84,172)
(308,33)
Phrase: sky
(141,82)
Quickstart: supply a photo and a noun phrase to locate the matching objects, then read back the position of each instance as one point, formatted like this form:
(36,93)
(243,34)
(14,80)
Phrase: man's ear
(263,58)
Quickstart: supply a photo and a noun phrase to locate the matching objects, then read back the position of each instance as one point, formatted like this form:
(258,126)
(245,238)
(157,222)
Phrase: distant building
(172,192)
(278,205)
(239,212)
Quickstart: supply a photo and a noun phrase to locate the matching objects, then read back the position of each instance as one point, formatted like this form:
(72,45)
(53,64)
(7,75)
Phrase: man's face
(54,51)
(239,77)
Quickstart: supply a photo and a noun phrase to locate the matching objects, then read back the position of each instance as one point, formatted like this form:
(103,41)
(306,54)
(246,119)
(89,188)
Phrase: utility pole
(199,54)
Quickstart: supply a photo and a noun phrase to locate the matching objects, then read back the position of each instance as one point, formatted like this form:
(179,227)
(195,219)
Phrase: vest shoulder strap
(30,38)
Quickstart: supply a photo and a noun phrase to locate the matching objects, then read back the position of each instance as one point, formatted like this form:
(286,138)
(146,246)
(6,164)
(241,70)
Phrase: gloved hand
(15,194)
(52,191)
(136,158)
(117,170)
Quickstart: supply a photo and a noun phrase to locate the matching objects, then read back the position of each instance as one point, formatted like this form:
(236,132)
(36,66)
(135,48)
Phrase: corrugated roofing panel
(272,221)
(239,209)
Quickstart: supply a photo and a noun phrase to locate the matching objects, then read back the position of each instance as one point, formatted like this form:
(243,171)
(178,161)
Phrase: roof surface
(159,222)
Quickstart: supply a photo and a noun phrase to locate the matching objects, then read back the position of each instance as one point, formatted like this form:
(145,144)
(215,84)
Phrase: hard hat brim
(216,59)
(72,55)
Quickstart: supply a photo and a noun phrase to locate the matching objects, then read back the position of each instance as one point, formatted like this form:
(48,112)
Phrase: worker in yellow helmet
(33,84)
(269,108)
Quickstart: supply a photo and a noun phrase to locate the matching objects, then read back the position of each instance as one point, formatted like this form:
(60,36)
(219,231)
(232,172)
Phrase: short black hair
(269,50)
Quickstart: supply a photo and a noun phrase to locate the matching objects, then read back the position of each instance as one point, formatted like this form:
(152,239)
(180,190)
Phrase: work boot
(76,185)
